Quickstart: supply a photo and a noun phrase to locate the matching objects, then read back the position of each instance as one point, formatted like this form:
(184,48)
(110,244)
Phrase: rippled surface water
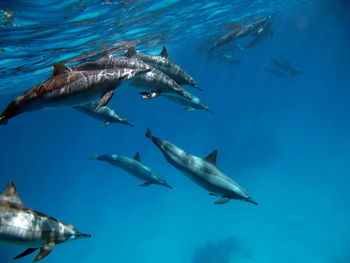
(37,34)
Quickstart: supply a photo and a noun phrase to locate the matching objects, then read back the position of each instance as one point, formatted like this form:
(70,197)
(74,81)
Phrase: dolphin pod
(68,88)
(133,166)
(23,226)
(203,171)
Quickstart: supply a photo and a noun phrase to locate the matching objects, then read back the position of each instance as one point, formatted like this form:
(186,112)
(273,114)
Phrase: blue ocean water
(284,139)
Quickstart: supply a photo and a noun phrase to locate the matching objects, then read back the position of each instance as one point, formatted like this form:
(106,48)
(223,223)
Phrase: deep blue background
(285,140)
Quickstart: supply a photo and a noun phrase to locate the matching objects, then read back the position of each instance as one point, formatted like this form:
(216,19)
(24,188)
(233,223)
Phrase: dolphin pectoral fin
(44,251)
(25,253)
(151,94)
(222,200)
(213,194)
(145,184)
(105,123)
(190,109)
(105,99)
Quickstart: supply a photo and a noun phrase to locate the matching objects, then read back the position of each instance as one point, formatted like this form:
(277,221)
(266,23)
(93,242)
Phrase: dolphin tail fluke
(44,251)
(26,253)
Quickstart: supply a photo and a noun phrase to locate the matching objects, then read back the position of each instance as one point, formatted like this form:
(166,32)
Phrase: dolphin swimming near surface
(105,113)
(153,82)
(202,171)
(240,30)
(68,88)
(164,64)
(263,32)
(23,226)
(133,166)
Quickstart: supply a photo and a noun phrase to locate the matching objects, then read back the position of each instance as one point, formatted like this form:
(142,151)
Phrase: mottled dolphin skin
(133,166)
(68,88)
(202,171)
(23,226)
(164,64)
(240,30)
(105,113)
(192,104)
(154,82)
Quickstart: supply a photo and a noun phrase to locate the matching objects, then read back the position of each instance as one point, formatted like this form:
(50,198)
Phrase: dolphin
(192,104)
(133,166)
(286,67)
(105,113)
(164,64)
(68,88)
(240,30)
(202,171)
(153,82)
(23,226)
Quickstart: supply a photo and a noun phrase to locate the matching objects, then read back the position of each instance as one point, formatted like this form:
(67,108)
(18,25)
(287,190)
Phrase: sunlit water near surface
(284,139)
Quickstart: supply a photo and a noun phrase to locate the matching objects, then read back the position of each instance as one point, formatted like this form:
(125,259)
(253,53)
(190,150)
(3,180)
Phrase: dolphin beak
(251,201)
(79,235)
(128,123)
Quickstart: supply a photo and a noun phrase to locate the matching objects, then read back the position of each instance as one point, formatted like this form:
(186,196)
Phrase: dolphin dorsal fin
(10,194)
(60,68)
(211,158)
(131,52)
(164,53)
(137,157)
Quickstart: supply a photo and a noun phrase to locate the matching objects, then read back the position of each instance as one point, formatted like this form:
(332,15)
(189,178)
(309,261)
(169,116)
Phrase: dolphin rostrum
(164,64)
(68,88)
(23,226)
(154,82)
(202,171)
(133,166)
(105,113)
